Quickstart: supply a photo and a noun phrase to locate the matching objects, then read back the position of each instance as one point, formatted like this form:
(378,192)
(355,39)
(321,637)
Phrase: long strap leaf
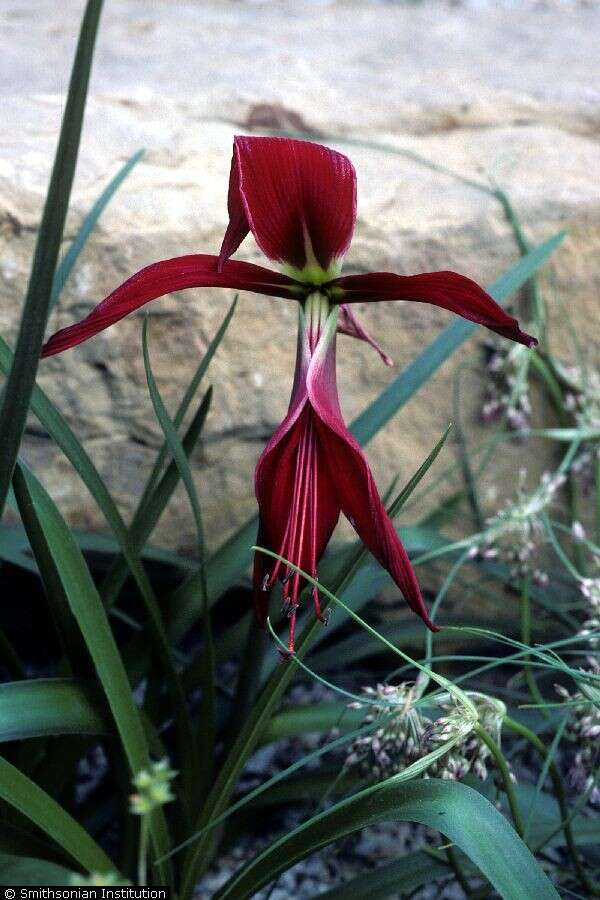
(47,706)
(24,795)
(17,394)
(87,226)
(91,618)
(458,811)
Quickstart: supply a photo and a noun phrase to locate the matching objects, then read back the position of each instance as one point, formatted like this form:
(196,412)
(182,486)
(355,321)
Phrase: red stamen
(299,543)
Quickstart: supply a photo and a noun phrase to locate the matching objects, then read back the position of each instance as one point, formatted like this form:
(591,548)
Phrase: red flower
(299,201)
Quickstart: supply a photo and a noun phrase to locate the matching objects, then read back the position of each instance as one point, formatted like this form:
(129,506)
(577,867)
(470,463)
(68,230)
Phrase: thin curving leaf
(87,226)
(366,426)
(34,803)
(225,568)
(459,812)
(87,608)
(395,879)
(148,513)
(57,426)
(66,628)
(48,706)
(14,405)
(208,729)
(156,494)
(25,870)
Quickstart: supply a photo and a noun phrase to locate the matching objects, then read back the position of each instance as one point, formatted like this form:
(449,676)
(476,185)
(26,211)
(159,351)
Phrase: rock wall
(509,94)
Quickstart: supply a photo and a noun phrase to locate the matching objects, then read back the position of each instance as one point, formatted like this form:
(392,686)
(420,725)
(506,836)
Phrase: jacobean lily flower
(299,201)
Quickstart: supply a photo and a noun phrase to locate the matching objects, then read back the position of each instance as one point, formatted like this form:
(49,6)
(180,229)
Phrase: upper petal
(162,278)
(352,479)
(446,289)
(298,199)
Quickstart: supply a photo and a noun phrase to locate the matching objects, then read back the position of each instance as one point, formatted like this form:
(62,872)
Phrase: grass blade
(87,608)
(21,380)
(20,870)
(149,512)
(399,878)
(87,226)
(149,506)
(408,382)
(48,706)
(21,793)
(208,730)
(458,811)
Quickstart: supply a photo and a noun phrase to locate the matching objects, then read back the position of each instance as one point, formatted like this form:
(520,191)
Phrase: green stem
(465,462)
(598,498)
(534,691)
(456,868)
(589,887)
(143,851)
(249,678)
(533,291)
(507,784)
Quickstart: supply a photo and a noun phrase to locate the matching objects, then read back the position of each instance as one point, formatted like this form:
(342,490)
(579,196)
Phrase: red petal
(446,289)
(353,481)
(276,474)
(349,324)
(296,197)
(163,278)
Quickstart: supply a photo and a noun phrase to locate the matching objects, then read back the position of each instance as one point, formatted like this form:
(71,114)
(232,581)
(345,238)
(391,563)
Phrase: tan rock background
(509,92)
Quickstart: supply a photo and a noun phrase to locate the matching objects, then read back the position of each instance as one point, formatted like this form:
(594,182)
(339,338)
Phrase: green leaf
(226,567)
(207,735)
(408,382)
(398,878)
(66,627)
(24,870)
(460,813)
(21,793)
(87,226)
(21,380)
(86,606)
(47,706)
(156,493)
(172,440)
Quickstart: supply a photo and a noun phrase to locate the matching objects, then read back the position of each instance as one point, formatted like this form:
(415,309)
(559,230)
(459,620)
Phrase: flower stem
(526,639)
(559,792)
(143,850)
(507,784)
(455,866)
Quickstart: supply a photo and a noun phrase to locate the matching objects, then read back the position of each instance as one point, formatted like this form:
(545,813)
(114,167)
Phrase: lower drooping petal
(448,290)
(158,279)
(351,476)
(298,508)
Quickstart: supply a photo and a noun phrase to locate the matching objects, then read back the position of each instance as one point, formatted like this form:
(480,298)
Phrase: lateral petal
(449,290)
(350,324)
(351,476)
(298,199)
(158,279)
